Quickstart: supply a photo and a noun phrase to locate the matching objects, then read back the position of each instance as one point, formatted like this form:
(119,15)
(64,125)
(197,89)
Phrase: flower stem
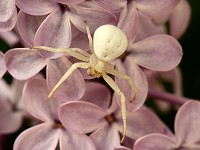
(168,97)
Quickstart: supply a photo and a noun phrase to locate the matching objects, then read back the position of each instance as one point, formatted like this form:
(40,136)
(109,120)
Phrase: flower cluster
(123,48)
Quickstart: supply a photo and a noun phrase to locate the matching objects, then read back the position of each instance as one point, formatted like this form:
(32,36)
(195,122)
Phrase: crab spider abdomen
(109,42)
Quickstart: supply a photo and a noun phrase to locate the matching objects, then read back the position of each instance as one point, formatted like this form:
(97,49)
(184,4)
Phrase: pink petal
(94,17)
(16,96)
(35,98)
(129,22)
(160,21)
(28,25)
(74,141)
(175,78)
(23,63)
(108,135)
(186,122)
(74,86)
(79,39)
(4,105)
(114,106)
(55,31)
(7,8)
(2,65)
(156,8)
(5,91)
(155,142)
(148,28)
(37,7)
(159,52)
(113,6)
(10,37)
(10,23)
(140,82)
(70,1)
(7,115)
(17,87)
(10,122)
(143,122)
(98,94)
(82,117)
(180,18)
(40,137)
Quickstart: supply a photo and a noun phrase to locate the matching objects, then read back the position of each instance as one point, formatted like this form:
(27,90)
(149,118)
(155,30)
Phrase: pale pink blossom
(8,15)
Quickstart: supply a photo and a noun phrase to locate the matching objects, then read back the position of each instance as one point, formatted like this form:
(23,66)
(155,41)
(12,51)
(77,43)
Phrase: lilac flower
(113,6)
(147,20)
(71,89)
(179,19)
(148,28)
(178,22)
(159,53)
(186,132)
(129,19)
(47,134)
(55,34)
(102,98)
(10,38)
(29,26)
(57,24)
(11,109)
(173,77)
(156,86)
(151,8)
(8,15)
(140,82)
(25,63)
(105,122)
(2,65)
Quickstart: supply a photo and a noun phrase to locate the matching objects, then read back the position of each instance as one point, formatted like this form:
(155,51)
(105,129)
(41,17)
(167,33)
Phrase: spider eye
(109,42)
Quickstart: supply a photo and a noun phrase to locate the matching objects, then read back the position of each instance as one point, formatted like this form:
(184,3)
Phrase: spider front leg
(114,86)
(126,77)
(89,38)
(75,52)
(83,65)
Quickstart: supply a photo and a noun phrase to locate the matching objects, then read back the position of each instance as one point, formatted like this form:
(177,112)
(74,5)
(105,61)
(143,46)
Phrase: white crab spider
(109,43)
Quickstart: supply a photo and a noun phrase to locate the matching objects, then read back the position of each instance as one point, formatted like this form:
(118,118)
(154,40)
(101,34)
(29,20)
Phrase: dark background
(190,64)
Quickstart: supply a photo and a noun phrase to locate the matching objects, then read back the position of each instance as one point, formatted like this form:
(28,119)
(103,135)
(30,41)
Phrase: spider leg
(75,52)
(114,86)
(126,77)
(83,65)
(80,51)
(89,38)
